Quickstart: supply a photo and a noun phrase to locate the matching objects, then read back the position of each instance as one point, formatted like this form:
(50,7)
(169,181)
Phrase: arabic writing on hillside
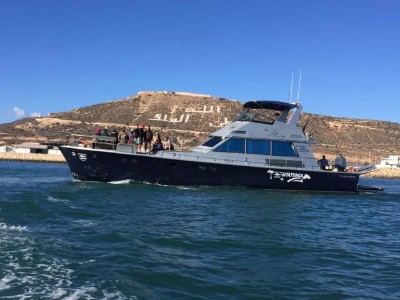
(184,118)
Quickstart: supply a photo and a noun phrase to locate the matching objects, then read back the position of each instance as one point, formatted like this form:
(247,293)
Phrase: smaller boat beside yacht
(264,148)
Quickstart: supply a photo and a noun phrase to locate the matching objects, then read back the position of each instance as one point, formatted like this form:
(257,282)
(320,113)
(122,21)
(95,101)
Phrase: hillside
(189,118)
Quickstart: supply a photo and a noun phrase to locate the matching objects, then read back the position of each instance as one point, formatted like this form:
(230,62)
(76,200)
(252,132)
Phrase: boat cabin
(265,132)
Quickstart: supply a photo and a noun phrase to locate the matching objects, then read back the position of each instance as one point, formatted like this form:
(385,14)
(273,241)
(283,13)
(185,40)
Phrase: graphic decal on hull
(82,156)
(288,176)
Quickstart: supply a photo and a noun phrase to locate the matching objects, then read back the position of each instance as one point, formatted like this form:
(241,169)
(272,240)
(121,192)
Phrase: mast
(291,89)
(298,91)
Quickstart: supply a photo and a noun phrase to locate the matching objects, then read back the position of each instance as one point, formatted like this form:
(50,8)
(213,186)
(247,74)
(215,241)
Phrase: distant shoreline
(52,158)
(32,157)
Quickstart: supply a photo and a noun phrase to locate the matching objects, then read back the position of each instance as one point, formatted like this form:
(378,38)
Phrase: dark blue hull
(91,165)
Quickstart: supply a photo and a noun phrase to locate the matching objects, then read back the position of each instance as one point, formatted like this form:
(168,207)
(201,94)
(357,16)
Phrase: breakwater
(32,157)
(384,173)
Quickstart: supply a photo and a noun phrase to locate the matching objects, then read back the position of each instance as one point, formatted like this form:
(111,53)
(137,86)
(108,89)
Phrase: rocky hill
(189,118)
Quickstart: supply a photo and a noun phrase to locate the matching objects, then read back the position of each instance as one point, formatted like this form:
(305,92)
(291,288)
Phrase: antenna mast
(291,89)
(298,91)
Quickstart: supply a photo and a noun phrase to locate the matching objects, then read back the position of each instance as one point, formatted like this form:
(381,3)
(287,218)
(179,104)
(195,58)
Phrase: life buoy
(84,141)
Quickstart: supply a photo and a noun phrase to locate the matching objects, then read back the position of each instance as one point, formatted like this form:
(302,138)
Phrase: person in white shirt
(168,144)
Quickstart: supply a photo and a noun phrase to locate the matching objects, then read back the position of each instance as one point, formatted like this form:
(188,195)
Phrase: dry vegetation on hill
(190,118)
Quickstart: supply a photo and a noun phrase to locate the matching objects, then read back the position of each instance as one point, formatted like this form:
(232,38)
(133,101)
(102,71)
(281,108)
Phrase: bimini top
(272,105)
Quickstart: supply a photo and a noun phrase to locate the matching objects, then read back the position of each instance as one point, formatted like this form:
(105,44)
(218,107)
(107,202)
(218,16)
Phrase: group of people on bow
(139,136)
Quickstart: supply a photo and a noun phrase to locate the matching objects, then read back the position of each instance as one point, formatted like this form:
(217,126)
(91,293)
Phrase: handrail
(101,138)
(237,161)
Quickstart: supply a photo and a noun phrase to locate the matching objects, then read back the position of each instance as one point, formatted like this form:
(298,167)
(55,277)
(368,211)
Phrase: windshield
(254,117)
(211,142)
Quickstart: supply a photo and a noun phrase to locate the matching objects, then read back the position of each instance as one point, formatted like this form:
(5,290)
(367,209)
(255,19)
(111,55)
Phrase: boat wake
(126,181)
(27,273)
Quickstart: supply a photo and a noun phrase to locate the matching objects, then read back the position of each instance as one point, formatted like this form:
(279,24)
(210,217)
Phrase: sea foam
(126,181)
(4,226)
(54,199)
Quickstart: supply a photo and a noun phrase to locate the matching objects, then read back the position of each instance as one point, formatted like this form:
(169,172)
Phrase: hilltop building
(391,162)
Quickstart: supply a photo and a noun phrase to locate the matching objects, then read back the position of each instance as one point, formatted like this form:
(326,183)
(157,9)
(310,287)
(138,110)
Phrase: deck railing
(101,142)
(249,160)
(95,141)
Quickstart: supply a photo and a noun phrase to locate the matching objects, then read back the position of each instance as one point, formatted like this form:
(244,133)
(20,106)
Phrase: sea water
(66,239)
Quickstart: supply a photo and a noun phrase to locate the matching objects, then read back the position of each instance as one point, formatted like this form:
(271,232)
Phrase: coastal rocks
(384,173)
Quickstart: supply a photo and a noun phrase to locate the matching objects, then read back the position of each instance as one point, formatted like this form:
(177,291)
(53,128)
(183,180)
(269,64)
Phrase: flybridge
(271,105)
(281,108)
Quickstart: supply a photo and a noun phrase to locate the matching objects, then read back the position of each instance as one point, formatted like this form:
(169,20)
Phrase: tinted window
(212,141)
(258,147)
(283,149)
(232,146)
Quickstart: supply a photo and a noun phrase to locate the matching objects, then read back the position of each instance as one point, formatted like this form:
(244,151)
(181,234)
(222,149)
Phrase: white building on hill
(392,162)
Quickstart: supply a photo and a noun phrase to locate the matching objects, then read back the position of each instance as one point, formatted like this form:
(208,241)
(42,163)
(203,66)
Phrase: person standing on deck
(114,134)
(340,162)
(123,137)
(323,163)
(168,144)
(140,137)
(148,139)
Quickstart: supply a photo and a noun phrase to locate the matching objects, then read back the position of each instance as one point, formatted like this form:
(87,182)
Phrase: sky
(59,55)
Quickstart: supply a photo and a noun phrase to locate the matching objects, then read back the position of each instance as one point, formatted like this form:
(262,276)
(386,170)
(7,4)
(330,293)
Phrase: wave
(81,293)
(190,188)
(4,226)
(86,223)
(4,282)
(54,199)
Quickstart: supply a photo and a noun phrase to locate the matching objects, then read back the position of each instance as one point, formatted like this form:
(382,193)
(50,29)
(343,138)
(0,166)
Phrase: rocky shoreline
(48,158)
(32,157)
(384,173)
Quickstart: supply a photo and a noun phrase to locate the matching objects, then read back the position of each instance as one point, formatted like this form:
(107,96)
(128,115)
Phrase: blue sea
(66,239)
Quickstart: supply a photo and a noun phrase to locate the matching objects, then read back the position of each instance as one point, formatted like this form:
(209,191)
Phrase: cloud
(19,112)
(36,114)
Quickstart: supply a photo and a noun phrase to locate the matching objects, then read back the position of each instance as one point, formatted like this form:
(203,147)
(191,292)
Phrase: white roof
(31,146)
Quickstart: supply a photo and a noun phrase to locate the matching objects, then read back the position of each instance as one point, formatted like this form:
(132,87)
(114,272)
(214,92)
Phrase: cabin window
(283,149)
(232,146)
(258,147)
(244,117)
(212,141)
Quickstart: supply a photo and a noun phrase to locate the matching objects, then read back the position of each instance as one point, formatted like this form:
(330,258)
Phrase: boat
(263,148)
(364,169)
